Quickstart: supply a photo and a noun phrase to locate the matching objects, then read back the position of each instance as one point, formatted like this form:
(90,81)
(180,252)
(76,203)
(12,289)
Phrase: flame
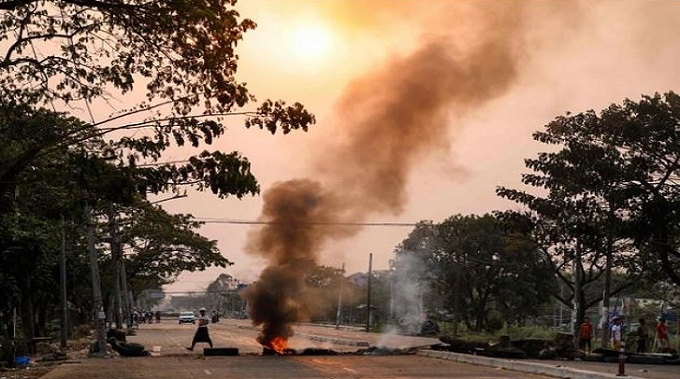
(278,344)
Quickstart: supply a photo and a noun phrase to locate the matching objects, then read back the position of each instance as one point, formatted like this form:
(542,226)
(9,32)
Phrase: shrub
(525,332)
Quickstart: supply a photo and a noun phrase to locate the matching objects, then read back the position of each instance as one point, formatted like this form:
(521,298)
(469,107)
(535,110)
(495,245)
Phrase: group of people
(616,335)
(145,317)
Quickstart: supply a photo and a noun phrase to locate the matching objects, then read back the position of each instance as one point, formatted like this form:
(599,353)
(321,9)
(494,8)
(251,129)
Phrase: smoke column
(387,121)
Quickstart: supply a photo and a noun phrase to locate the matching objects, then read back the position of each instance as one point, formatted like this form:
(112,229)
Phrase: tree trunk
(41,324)
(116,257)
(579,296)
(27,316)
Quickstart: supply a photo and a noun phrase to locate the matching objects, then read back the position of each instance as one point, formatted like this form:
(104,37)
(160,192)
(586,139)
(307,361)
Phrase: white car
(187,317)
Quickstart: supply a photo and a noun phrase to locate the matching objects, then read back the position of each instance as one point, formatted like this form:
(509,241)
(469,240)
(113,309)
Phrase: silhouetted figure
(201,334)
(642,336)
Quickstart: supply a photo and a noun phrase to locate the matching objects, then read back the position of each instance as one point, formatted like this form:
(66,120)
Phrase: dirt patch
(49,356)
(32,371)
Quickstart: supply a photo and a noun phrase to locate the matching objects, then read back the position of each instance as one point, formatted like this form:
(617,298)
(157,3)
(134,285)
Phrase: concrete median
(556,370)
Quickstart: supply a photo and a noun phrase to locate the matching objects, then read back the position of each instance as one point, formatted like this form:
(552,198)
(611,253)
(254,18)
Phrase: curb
(528,367)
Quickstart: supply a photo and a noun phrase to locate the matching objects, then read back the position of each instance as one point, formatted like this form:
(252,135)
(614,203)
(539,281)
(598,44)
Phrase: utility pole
(456,292)
(368,298)
(64,301)
(577,269)
(99,315)
(342,280)
(392,275)
(606,295)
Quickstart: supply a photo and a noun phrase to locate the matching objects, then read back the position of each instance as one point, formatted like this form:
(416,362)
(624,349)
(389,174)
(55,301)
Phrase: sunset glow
(483,76)
(312,41)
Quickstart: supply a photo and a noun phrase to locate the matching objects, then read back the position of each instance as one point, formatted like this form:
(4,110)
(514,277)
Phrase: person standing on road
(202,334)
(616,334)
(662,333)
(585,335)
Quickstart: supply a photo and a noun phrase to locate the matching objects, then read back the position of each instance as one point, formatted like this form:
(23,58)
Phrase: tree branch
(14,4)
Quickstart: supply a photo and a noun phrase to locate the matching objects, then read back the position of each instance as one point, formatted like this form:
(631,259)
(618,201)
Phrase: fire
(278,344)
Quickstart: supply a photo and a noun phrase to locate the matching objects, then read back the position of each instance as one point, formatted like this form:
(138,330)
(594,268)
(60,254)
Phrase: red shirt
(662,331)
(586,330)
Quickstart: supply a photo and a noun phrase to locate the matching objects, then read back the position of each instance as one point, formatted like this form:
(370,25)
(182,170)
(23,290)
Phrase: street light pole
(368,298)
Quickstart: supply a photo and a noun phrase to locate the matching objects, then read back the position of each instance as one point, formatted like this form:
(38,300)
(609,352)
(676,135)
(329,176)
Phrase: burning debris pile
(280,298)
(388,121)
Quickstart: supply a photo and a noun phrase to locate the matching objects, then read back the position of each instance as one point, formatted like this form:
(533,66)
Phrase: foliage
(219,291)
(323,285)
(78,51)
(477,268)
(526,332)
(611,197)
(163,245)
(414,278)
(67,54)
(69,50)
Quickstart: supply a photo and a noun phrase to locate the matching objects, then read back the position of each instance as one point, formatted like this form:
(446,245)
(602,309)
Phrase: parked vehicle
(187,317)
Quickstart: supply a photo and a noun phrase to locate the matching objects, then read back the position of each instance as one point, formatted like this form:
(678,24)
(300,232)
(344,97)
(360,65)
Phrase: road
(170,359)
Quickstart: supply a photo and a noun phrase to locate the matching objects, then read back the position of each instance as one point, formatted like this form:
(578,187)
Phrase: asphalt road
(170,359)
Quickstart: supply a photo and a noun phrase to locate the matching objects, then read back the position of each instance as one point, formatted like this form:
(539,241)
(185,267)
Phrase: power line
(309,223)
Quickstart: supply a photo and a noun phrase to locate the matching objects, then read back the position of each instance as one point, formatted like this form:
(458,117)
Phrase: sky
(423,108)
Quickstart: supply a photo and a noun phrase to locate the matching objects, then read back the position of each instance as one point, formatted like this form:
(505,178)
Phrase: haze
(474,79)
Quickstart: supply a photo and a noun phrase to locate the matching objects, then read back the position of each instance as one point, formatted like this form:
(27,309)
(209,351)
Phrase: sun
(312,41)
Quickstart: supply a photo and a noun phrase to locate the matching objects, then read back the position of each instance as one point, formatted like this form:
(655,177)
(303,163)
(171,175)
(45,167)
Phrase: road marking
(207,372)
(318,361)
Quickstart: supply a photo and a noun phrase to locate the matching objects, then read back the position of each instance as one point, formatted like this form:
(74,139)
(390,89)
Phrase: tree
(625,163)
(476,267)
(611,198)
(219,290)
(649,138)
(30,214)
(163,245)
(57,185)
(413,284)
(183,52)
(323,286)
(69,53)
